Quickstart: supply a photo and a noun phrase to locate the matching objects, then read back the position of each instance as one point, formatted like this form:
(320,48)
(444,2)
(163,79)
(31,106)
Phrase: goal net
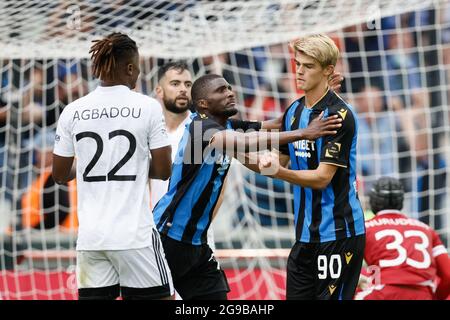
(395,59)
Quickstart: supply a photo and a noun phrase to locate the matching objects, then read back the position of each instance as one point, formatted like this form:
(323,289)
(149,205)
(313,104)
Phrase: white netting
(180,28)
(397,73)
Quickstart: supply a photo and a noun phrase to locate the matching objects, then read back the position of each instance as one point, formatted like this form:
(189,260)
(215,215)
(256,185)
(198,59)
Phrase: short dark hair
(199,86)
(386,193)
(177,65)
(108,52)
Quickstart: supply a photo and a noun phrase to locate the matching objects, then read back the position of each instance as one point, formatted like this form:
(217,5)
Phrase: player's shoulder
(294,104)
(203,122)
(336,105)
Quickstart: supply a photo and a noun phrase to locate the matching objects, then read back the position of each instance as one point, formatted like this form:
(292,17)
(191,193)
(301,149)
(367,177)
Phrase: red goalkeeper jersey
(403,248)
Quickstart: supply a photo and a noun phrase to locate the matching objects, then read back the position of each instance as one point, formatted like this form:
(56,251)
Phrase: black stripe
(99,293)
(204,235)
(199,207)
(188,174)
(145,293)
(156,257)
(316,212)
(341,205)
(161,256)
(316,203)
(158,261)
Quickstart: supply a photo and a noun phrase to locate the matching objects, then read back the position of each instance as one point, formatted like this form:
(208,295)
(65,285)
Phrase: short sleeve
(157,137)
(204,130)
(245,125)
(438,246)
(336,148)
(63,138)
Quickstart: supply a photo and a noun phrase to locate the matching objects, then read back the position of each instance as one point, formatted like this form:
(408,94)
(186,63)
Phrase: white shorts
(144,268)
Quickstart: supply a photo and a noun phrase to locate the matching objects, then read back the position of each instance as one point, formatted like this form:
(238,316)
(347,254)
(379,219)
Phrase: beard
(230,112)
(171,106)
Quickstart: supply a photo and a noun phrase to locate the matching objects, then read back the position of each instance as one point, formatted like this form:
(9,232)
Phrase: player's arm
(443,272)
(234,142)
(442,260)
(334,82)
(319,178)
(63,169)
(161,164)
(251,160)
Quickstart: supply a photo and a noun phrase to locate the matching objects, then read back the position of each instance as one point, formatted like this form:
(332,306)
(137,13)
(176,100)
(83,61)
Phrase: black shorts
(325,271)
(195,272)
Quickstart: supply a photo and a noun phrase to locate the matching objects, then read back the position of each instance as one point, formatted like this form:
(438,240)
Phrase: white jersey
(111,131)
(158,188)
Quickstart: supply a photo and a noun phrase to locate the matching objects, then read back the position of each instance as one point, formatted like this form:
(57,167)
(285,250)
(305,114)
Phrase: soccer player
(184,213)
(174,94)
(112,131)
(405,254)
(326,259)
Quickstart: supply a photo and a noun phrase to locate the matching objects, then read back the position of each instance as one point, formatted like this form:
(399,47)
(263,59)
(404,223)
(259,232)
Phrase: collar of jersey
(389,211)
(112,88)
(321,104)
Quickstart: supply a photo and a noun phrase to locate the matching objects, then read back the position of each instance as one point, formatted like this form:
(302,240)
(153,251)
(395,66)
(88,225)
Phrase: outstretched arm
(234,142)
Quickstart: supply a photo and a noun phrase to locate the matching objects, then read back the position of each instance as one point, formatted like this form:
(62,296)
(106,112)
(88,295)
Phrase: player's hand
(269,163)
(322,127)
(335,80)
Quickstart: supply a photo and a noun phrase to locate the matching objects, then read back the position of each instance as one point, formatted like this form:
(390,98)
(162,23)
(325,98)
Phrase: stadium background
(395,59)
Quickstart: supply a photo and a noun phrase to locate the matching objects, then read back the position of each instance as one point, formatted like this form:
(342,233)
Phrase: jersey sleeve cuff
(63,153)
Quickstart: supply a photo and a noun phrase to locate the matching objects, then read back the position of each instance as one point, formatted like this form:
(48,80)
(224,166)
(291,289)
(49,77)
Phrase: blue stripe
(327,226)
(294,165)
(340,293)
(175,178)
(303,162)
(357,212)
(184,210)
(204,220)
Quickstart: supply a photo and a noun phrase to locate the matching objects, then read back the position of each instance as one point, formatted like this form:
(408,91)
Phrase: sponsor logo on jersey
(348,257)
(332,150)
(343,113)
(303,148)
(331,288)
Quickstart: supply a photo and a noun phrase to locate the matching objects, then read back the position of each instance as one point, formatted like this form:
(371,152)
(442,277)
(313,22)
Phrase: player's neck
(220,120)
(111,83)
(173,120)
(316,94)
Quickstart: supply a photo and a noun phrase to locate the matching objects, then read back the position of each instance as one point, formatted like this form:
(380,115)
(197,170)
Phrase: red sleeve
(443,267)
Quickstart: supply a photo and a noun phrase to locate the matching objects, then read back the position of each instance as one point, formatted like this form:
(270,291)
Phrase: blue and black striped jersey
(184,213)
(335,212)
